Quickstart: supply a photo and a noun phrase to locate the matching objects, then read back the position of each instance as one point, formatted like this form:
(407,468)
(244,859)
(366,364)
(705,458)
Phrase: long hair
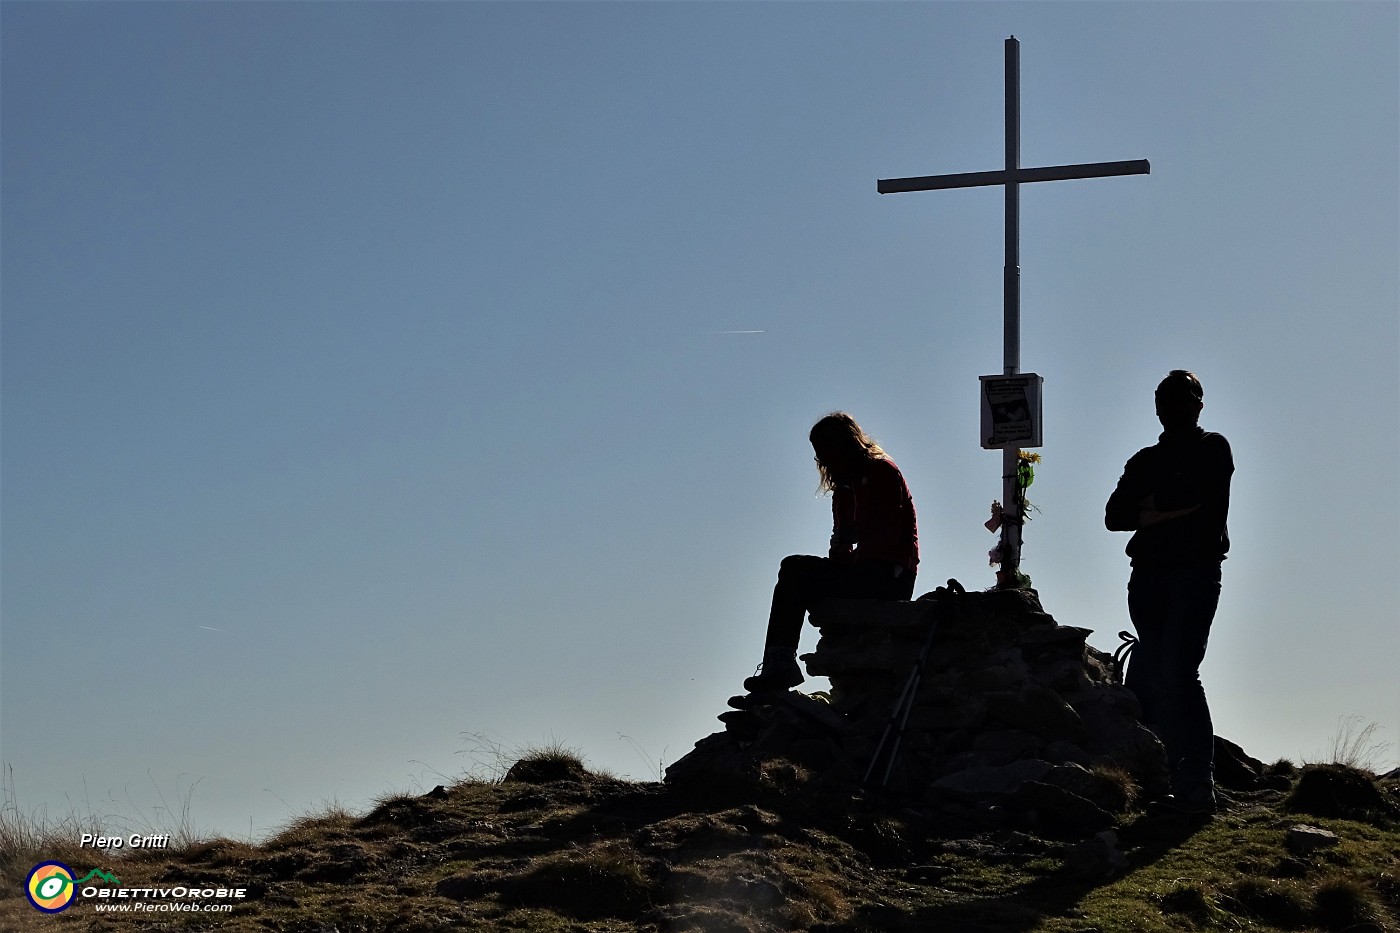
(840,430)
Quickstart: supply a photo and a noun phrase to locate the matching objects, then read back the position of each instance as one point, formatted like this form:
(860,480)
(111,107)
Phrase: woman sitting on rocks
(874,545)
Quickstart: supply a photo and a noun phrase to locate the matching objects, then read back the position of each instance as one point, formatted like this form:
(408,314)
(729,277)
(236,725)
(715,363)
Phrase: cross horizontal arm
(1020,176)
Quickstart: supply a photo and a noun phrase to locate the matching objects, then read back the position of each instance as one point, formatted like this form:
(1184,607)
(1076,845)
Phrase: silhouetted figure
(874,551)
(1175,496)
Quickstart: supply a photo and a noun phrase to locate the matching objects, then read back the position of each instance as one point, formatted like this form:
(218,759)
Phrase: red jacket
(874,518)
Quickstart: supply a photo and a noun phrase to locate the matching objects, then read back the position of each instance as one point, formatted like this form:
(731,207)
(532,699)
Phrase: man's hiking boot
(779,671)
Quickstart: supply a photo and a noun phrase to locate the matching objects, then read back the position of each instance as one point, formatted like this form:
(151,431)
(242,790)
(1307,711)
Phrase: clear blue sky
(363,383)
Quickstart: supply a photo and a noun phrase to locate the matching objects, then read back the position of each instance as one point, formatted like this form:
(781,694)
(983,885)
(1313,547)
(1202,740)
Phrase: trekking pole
(899,715)
(900,712)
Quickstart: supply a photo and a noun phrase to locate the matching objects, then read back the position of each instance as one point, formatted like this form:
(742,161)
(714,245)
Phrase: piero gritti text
(134,841)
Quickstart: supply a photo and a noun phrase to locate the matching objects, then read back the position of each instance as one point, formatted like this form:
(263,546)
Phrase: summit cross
(1012,177)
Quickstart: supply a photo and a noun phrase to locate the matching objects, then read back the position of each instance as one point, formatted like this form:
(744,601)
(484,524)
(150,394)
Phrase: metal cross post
(1012,177)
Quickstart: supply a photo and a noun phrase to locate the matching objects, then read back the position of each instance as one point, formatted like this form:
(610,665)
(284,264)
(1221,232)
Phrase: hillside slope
(555,848)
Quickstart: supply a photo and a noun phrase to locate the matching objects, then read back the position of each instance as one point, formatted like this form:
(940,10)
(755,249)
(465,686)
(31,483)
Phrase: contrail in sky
(738,331)
(210,629)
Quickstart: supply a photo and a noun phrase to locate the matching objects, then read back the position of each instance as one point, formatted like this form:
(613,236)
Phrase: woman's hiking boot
(779,671)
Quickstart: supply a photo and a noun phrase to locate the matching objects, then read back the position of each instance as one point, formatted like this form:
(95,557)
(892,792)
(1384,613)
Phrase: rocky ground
(1018,797)
(555,848)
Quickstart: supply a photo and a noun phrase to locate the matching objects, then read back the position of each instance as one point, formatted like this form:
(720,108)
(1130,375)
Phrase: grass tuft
(1336,791)
(1118,788)
(1355,745)
(331,820)
(547,764)
(609,880)
(495,762)
(1276,903)
(825,901)
(1190,899)
(1345,903)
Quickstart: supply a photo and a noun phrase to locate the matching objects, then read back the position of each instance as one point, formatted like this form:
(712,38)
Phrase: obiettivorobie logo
(51,886)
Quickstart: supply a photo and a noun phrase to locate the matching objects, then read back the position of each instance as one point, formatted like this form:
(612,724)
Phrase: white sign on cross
(1012,177)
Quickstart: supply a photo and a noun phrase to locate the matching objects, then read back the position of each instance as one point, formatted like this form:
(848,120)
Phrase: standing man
(1175,496)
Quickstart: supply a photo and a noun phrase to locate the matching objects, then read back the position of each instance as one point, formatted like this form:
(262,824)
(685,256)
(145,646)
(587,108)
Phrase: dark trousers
(804,580)
(1172,609)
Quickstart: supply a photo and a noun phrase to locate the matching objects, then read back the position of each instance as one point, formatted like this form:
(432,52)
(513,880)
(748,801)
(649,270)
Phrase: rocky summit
(1010,721)
(1000,788)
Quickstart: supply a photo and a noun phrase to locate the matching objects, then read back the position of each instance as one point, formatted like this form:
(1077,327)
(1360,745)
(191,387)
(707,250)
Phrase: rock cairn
(1016,721)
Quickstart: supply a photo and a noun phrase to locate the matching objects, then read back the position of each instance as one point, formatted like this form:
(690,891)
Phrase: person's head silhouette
(1180,399)
(841,448)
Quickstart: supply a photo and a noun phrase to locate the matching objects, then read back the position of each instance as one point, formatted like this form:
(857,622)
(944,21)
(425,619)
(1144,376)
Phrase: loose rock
(1304,840)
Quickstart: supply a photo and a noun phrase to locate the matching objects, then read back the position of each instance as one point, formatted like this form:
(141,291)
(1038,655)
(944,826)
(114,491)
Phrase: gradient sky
(367,384)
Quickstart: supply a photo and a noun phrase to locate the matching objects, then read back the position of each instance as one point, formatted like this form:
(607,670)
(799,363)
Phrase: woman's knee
(798,566)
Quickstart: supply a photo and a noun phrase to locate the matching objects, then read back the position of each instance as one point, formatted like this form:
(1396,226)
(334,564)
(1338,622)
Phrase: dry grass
(1122,789)
(492,758)
(333,819)
(542,765)
(30,837)
(1354,745)
(1348,903)
(589,882)
(569,851)
(1281,903)
(1340,792)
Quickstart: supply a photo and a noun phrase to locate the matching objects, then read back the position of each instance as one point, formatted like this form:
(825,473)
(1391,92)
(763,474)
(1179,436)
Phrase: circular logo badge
(49,887)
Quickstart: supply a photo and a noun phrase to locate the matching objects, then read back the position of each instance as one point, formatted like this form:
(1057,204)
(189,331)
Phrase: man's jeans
(1172,608)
